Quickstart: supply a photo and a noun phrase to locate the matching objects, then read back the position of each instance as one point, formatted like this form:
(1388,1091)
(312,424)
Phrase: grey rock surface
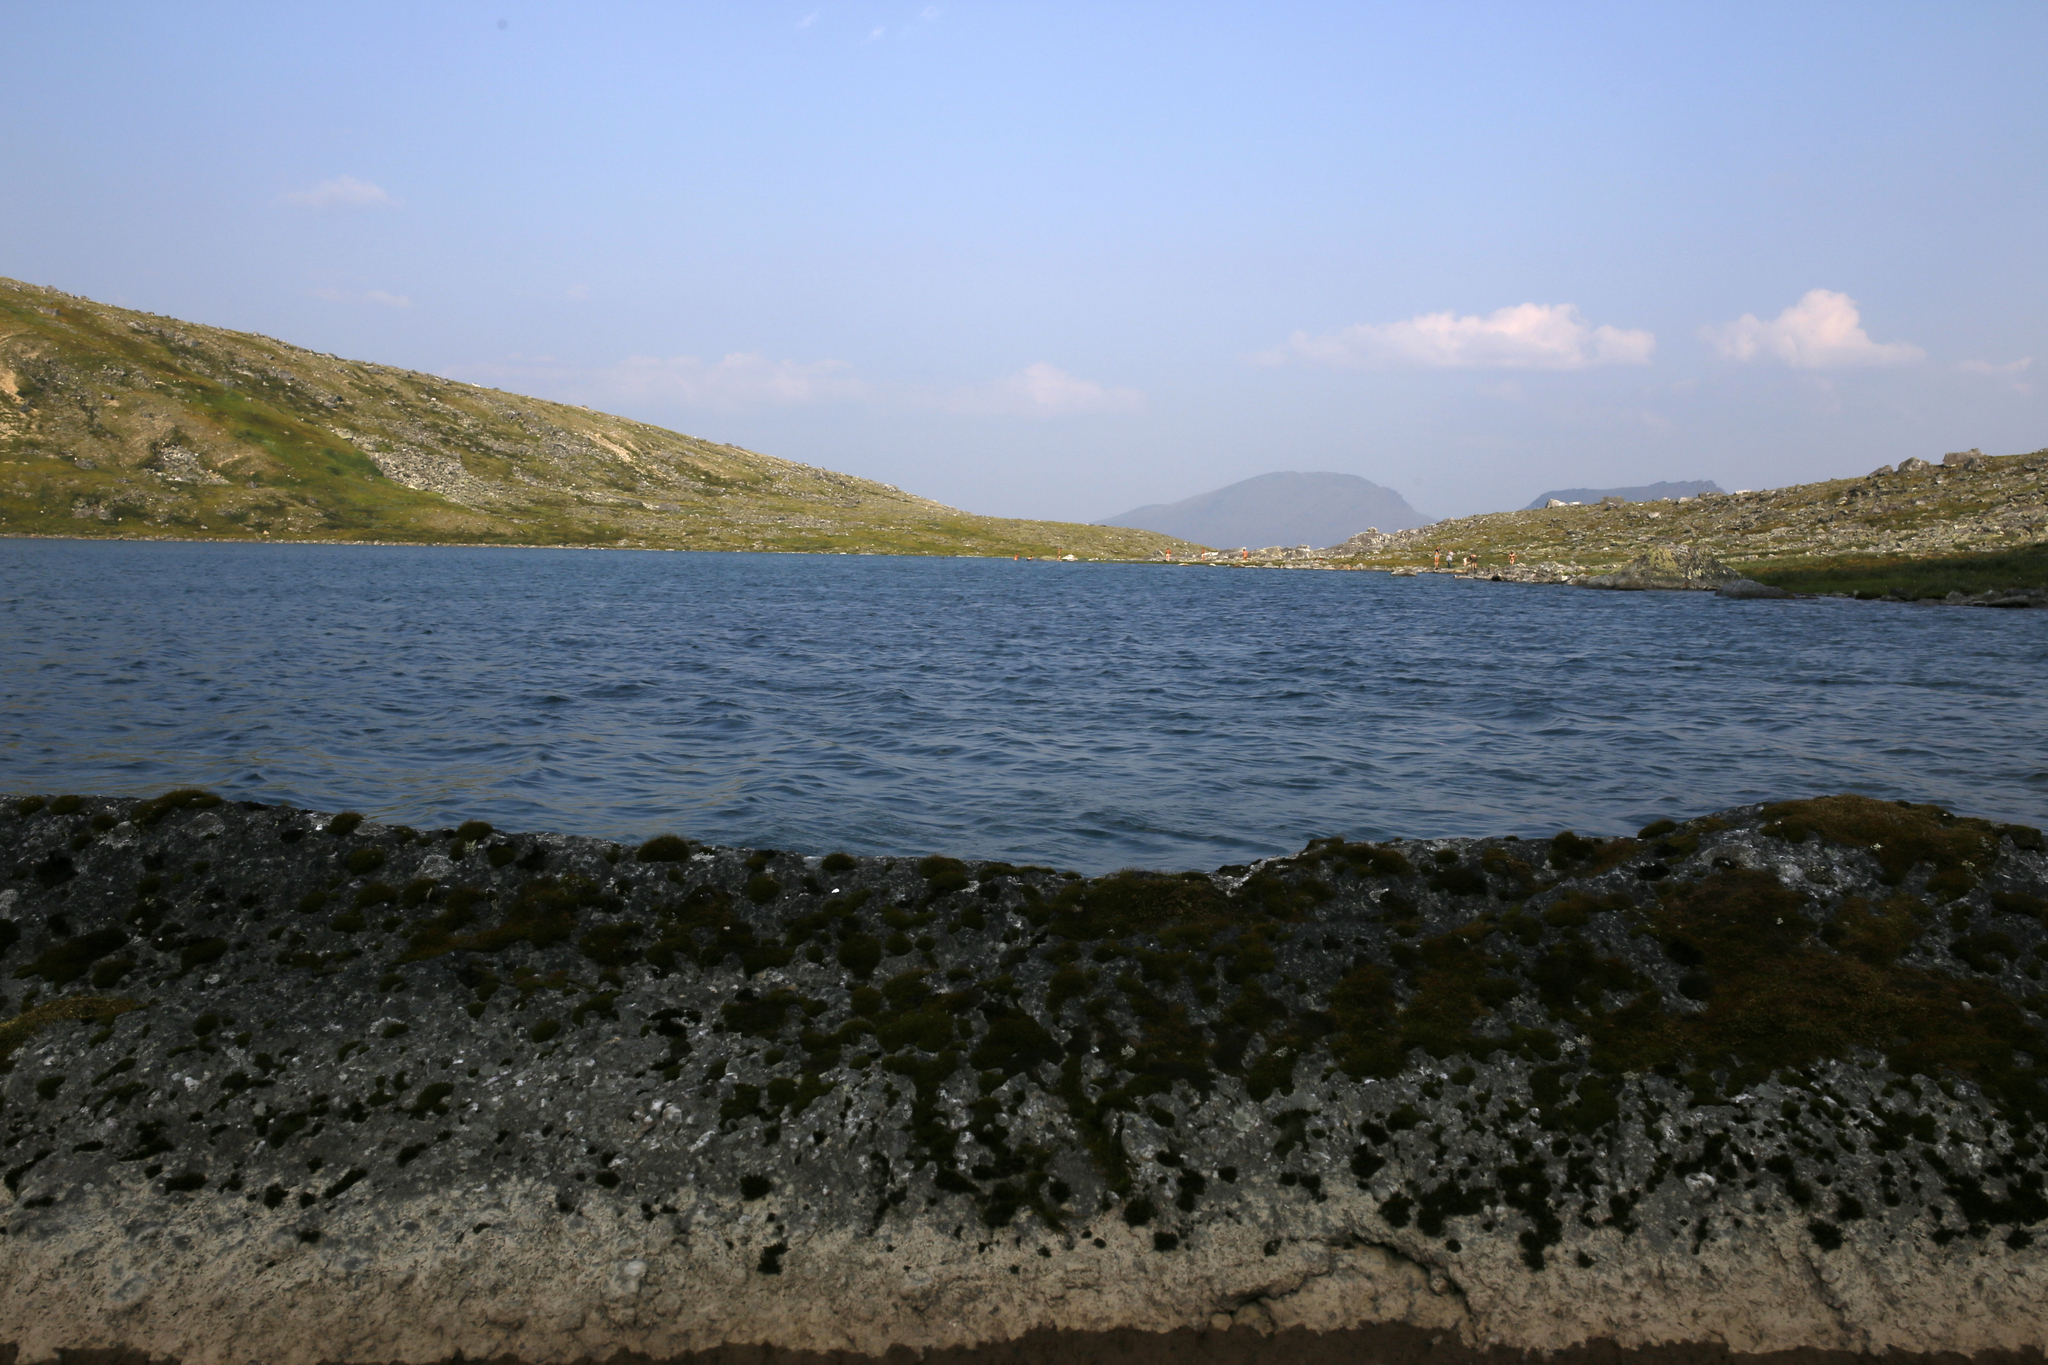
(292,1087)
(1749,590)
(1667,568)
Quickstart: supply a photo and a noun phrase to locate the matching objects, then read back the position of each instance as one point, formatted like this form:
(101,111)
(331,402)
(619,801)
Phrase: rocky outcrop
(1667,568)
(1970,502)
(1749,590)
(292,1087)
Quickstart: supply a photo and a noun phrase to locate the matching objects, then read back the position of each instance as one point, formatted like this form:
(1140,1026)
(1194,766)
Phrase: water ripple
(1083,715)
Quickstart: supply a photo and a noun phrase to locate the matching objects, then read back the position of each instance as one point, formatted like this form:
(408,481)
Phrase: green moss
(473,831)
(66,961)
(432,1099)
(375,893)
(1014,1044)
(29,805)
(1901,836)
(837,862)
(1781,999)
(762,888)
(1459,881)
(543,913)
(666,848)
(611,945)
(345,823)
(861,954)
(362,860)
(206,950)
(943,875)
(1363,859)
(760,1017)
(2016,903)
(157,809)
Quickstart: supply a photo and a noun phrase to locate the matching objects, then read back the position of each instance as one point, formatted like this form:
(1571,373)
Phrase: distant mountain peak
(1284,508)
(1649,492)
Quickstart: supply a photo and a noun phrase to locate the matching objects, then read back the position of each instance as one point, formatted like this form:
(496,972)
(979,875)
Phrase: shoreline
(1542,575)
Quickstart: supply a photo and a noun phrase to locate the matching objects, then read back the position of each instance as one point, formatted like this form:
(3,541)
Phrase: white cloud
(1530,336)
(1039,390)
(1823,331)
(342,192)
(387,299)
(2010,371)
(742,379)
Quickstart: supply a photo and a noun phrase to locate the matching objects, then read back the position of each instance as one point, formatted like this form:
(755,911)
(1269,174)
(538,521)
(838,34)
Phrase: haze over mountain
(1278,509)
(1649,492)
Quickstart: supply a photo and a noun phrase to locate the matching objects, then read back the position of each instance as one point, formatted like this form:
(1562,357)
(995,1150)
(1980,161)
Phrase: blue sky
(1061,259)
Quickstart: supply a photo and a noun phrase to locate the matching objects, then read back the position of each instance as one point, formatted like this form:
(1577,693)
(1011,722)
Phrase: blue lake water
(1084,715)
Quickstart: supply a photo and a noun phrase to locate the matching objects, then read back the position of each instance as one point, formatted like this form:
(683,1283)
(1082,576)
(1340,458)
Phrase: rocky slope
(119,423)
(1974,502)
(292,1087)
(1919,510)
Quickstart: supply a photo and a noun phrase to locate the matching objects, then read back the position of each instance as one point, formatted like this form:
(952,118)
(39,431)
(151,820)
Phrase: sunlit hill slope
(119,423)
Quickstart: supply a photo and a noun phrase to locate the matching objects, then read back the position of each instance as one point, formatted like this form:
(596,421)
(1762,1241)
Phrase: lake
(1090,716)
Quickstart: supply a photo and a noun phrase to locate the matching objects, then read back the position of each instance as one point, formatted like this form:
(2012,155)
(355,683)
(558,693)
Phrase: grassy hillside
(118,423)
(1839,535)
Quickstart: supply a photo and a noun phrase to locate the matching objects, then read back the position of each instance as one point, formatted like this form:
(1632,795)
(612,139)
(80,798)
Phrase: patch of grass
(1910,577)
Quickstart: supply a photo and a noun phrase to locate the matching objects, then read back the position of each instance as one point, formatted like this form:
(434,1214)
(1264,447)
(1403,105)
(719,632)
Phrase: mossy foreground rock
(287,1087)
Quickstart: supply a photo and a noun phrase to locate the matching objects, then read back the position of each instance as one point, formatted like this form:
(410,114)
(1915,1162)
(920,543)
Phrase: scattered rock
(1666,568)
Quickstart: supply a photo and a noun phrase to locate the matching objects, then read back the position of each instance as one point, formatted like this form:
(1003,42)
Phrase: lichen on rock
(296,1087)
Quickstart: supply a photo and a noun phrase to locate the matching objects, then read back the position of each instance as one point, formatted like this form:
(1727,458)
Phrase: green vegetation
(1910,577)
(118,423)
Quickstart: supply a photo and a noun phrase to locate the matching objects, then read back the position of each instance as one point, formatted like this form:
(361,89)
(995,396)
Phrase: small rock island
(292,1087)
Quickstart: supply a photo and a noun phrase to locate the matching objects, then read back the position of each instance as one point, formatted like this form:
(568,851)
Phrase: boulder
(1748,590)
(1680,568)
(1557,502)
(1913,465)
(1964,459)
(1880,471)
